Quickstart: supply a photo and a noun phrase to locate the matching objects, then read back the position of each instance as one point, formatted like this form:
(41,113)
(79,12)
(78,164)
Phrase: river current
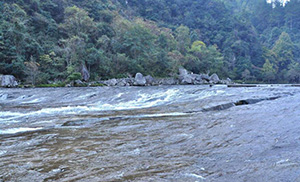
(163,133)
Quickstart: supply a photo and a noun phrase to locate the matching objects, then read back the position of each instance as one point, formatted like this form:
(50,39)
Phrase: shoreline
(116,86)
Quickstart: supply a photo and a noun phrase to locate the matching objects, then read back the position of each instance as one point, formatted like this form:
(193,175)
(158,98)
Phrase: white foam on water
(161,115)
(18,130)
(11,117)
(141,101)
(58,110)
(205,94)
(195,175)
(136,152)
(16,116)
(32,101)
(10,114)
(2,152)
(3,97)
(84,96)
(188,136)
(119,95)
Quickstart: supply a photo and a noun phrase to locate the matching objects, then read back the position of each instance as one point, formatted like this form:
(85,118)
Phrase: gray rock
(122,83)
(139,80)
(183,72)
(111,82)
(197,77)
(149,80)
(85,73)
(214,78)
(187,79)
(129,81)
(168,81)
(205,77)
(184,77)
(8,81)
(227,81)
(199,82)
(78,83)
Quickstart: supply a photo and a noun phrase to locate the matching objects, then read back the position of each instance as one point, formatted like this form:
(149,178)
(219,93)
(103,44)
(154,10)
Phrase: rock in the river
(185,77)
(214,78)
(111,82)
(8,81)
(205,77)
(129,81)
(197,79)
(139,80)
(85,73)
(227,81)
(183,72)
(168,81)
(149,80)
(122,82)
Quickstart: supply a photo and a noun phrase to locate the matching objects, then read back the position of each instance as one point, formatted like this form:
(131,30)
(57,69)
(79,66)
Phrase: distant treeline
(52,40)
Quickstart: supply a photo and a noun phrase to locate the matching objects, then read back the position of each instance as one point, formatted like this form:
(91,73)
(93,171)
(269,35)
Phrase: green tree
(77,22)
(268,71)
(32,70)
(293,74)
(283,50)
(205,59)
(183,38)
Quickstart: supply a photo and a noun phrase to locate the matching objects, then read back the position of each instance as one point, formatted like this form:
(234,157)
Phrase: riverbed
(162,133)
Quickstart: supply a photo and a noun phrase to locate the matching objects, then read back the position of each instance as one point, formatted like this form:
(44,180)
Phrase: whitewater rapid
(84,104)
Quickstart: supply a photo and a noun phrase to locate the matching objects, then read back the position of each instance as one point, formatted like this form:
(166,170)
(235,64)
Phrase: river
(163,133)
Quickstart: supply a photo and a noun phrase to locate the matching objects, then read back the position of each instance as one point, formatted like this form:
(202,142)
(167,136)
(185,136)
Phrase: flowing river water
(164,133)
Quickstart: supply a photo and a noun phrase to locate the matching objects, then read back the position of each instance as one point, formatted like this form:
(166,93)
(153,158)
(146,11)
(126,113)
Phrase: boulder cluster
(184,78)
(8,81)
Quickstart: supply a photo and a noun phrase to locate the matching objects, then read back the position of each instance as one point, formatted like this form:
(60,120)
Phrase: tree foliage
(245,40)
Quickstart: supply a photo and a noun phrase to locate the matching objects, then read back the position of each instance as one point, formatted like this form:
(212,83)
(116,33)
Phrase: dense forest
(247,40)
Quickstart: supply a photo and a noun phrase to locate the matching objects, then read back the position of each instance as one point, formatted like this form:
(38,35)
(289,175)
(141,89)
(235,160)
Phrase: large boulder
(111,82)
(205,77)
(8,81)
(139,80)
(197,79)
(85,73)
(187,79)
(129,81)
(183,72)
(122,82)
(214,78)
(168,81)
(149,80)
(227,81)
(184,77)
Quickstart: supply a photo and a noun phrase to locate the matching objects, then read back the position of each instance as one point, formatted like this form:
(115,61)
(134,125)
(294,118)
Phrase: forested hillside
(52,40)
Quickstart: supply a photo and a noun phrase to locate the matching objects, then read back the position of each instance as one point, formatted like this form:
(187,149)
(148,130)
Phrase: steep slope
(54,40)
